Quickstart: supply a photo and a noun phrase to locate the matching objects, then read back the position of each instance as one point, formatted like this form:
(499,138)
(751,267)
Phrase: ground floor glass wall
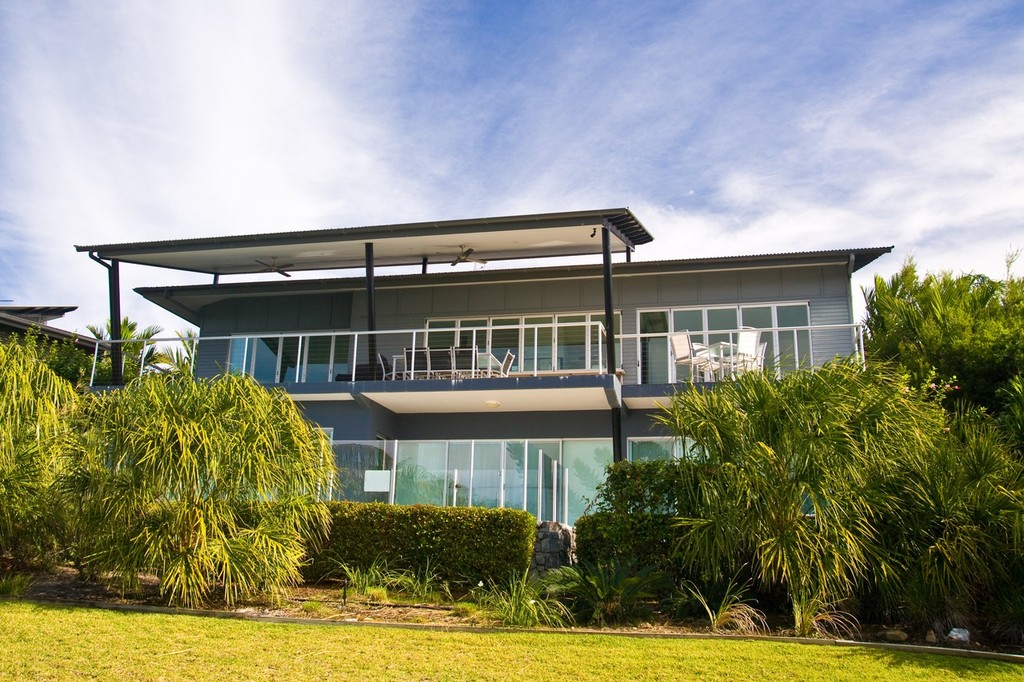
(550,478)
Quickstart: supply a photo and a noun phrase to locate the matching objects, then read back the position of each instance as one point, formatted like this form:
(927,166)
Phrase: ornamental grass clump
(732,611)
(14,584)
(212,485)
(522,601)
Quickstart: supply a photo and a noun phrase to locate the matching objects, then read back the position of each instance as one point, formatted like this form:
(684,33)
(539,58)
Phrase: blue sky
(728,127)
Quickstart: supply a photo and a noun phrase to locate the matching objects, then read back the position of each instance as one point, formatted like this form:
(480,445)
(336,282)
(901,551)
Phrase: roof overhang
(546,235)
(18,324)
(187,301)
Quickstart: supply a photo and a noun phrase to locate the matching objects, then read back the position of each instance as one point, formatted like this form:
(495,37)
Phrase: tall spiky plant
(789,471)
(211,484)
(957,526)
(35,407)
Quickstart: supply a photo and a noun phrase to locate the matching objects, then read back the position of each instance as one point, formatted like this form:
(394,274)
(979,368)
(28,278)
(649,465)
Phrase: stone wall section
(554,546)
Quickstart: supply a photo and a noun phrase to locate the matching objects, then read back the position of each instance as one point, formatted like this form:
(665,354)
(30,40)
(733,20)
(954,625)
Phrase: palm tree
(788,476)
(956,525)
(35,407)
(209,484)
(139,354)
(942,327)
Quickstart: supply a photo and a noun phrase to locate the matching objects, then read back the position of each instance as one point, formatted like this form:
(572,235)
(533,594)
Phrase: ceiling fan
(467,257)
(272,266)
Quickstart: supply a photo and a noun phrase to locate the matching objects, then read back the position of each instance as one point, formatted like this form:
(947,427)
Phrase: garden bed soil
(328,602)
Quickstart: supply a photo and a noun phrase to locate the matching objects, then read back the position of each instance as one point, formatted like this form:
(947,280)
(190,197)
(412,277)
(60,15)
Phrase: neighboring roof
(542,235)
(188,301)
(38,313)
(10,323)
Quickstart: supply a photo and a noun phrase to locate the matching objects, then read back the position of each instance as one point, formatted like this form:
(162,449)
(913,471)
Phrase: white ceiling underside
(337,252)
(647,402)
(510,400)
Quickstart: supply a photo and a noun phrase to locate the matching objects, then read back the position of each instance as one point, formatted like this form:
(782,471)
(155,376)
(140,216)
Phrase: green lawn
(47,642)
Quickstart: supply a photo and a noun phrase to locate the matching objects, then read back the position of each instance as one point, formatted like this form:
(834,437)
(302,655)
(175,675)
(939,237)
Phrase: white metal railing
(775,349)
(541,348)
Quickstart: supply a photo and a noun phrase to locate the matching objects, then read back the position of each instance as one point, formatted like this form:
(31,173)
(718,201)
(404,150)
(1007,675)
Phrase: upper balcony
(519,364)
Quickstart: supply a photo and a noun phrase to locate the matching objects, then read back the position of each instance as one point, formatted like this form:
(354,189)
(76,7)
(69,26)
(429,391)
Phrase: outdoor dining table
(414,364)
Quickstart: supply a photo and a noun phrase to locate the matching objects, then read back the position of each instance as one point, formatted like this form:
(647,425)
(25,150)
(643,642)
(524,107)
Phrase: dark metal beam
(424,271)
(609,320)
(371,307)
(609,310)
(114,295)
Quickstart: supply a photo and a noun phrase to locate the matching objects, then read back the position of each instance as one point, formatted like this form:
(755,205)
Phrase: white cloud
(729,128)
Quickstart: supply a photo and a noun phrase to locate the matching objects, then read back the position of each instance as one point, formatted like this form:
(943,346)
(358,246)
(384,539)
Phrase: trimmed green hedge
(640,538)
(462,545)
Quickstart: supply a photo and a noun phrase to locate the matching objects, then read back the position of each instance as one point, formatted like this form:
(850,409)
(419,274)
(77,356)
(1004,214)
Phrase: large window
(541,343)
(550,478)
(660,449)
(353,460)
(785,334)
(287,358)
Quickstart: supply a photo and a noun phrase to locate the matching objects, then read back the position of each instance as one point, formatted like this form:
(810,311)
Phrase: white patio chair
(748,353)
(506,364)
(695,356)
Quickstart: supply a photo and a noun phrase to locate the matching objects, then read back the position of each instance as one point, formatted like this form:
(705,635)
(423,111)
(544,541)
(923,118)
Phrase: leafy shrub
(606,593)
(634,514)
(606,536)
(452,544)
(941,325)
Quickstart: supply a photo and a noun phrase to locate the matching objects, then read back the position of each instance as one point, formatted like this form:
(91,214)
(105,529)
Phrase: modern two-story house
(496,386)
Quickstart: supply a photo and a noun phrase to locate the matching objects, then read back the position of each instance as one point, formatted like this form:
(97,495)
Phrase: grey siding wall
(596,424)
(211,357)
(352,420)
(826,288)
(271,314)
(312,312)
